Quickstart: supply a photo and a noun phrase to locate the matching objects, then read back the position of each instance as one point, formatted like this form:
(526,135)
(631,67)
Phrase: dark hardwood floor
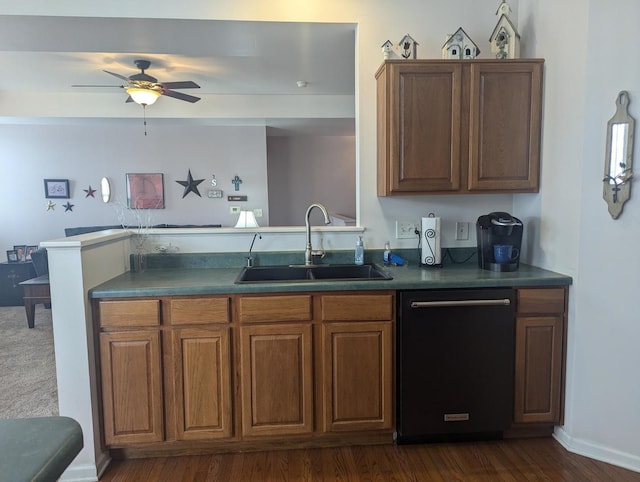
(509,460)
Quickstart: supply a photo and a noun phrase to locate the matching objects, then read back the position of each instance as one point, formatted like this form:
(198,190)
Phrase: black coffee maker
(495,229)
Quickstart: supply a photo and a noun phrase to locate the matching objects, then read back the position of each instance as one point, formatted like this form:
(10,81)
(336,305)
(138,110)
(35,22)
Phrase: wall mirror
(105,190)
(618,171)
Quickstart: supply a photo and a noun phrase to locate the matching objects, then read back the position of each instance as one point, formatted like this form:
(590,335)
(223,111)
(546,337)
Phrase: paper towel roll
(431,255)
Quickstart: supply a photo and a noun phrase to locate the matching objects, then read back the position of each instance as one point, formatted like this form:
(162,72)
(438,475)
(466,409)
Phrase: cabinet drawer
(199,310)
(258,309)
(541,300)
(130,313)
(357,307)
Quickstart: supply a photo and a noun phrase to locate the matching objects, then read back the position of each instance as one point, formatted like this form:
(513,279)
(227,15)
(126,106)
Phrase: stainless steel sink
(305,274)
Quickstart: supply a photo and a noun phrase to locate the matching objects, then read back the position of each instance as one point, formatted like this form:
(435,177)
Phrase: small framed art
(21,252)
(56,188)
(12,257)
(145,191)
(30,249)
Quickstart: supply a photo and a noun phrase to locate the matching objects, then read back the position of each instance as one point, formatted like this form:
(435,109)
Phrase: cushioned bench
(37,449)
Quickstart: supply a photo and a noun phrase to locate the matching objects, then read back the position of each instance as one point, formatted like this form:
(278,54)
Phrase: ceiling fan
(144,89)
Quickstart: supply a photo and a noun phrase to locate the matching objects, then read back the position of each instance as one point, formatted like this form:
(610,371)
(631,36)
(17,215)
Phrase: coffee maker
(498,228)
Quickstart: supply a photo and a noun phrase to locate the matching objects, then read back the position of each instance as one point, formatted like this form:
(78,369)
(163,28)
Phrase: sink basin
(297,274)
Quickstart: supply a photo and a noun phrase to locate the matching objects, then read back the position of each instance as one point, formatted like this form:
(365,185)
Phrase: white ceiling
(247,71)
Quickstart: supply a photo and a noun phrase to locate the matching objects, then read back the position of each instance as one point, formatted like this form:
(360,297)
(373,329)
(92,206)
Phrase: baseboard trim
(596,451)
(80,473)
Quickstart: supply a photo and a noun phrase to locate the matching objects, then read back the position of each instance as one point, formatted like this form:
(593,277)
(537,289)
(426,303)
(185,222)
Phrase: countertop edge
(156,283)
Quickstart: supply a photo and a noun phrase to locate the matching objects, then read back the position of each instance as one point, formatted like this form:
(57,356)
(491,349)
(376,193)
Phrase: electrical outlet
(257,213)
(462,231)
(406,229)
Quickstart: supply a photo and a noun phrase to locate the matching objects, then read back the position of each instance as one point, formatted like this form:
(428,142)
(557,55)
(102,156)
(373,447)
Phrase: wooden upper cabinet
(505,107)
(419,127)
(458,126)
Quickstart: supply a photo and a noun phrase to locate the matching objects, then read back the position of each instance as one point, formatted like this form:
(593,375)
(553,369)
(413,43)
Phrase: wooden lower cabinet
(540,355)
(202,375)
(276,372)
(357,364)
(131,387)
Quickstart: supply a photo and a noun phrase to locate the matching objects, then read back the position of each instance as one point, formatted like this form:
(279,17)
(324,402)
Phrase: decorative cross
(236,181)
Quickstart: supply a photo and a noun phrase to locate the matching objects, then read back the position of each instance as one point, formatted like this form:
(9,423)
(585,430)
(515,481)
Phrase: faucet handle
(318,253)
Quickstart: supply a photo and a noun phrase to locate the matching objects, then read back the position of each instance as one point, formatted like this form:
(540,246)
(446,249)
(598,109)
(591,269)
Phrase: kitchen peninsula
(181,314)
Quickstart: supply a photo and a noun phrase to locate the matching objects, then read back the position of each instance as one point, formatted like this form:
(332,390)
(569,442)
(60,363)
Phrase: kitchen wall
(586,67)
(588,49)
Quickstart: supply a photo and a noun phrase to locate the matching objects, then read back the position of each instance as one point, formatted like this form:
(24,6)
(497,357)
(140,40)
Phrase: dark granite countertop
(203,281)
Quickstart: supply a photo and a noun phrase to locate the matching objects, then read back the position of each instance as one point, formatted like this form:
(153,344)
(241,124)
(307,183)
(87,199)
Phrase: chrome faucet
(309,253)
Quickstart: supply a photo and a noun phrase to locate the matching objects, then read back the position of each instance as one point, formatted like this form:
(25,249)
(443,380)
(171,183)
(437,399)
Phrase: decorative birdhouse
(387,48)
(459,46)
(408,47)
(505,39)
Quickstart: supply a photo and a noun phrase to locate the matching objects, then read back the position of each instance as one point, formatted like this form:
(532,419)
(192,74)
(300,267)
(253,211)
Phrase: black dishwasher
(455,364)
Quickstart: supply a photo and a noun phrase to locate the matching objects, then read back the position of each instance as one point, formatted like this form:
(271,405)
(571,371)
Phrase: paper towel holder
(431,254)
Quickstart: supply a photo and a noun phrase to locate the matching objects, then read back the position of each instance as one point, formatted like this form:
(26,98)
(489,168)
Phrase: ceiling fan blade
(97,85)
(180,96)
(187,84)
(129,99)
(117,75)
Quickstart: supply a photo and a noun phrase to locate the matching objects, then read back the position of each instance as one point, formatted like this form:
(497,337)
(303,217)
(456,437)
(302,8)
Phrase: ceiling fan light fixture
(143,96)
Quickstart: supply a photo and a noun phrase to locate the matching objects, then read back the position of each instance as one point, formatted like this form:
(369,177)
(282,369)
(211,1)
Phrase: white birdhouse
(459,46)
(505,39)
(408,47)
(387,48)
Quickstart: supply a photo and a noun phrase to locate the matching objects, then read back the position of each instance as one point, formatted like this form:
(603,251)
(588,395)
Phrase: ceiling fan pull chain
(144,115)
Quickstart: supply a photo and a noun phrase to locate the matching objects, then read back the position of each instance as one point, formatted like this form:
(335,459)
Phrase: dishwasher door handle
(440,304)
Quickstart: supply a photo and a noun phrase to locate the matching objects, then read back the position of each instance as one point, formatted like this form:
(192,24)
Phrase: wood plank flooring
(541,459)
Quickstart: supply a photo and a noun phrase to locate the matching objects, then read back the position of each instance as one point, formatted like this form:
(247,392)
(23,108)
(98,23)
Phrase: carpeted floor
(27,364)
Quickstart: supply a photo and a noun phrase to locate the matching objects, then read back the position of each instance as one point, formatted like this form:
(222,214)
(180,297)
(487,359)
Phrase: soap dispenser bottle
(359,253)
(386,255)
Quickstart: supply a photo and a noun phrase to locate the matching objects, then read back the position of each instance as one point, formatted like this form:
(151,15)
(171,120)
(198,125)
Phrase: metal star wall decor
(90,192)
(68,206)
(190,185)
(51,206)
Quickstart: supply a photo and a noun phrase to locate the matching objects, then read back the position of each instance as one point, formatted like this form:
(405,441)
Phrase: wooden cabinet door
(505,117)
(202,373)
(538,369)
(419,122)
(277,385)
(131,387)
(357,392)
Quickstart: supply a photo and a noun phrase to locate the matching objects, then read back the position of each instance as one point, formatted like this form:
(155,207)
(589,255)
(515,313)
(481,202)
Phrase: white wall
(308,169)
(84,153)
(578,236)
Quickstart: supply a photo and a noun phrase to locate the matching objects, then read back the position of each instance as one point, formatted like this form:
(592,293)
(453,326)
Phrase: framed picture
(56,188)
(21,252)
(12,257)
(30,249)
(145,191)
